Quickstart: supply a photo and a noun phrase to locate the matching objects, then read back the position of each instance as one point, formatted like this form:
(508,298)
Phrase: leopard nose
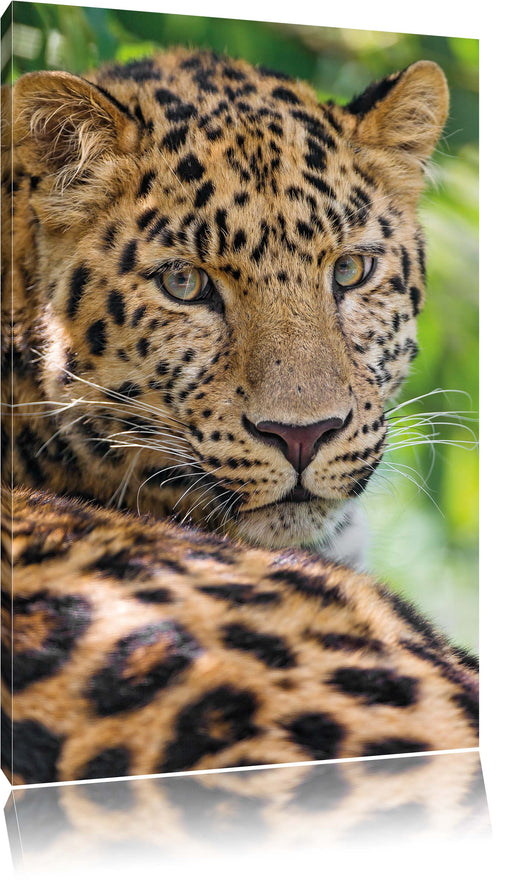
(299,444)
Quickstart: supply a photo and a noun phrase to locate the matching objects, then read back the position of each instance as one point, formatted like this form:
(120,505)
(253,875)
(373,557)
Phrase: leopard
(213,280)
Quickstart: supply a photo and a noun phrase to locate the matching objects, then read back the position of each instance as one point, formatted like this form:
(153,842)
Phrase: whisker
(192,486)
(55,434)
(464,446)
(426,395)
(229,507)
(122,488)
(150,478)
(157,448)
(62,407)
(421,487)
(177,477)
(152,430)
(118,396)
(230,493)
(431,414)
(407,432)
(376,478)
(209,489)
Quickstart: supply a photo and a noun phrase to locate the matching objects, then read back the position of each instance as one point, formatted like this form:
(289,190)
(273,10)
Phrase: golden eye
(185,283)
(353,269)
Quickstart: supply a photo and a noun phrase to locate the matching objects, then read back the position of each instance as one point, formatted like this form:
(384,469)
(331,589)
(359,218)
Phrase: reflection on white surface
(195,818)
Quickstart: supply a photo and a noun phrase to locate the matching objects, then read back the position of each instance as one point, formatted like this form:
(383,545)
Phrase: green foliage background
(424,542)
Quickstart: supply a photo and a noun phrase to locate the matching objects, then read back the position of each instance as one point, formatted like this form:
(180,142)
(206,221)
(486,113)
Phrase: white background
(465,861)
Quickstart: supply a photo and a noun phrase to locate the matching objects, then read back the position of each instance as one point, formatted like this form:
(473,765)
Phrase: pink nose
(299,444)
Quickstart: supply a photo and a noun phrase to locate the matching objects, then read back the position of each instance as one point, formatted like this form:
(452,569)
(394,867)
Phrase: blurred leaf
(129,51)
(466,51)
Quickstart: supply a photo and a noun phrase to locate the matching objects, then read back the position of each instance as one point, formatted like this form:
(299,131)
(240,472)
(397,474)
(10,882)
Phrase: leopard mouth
(298,494)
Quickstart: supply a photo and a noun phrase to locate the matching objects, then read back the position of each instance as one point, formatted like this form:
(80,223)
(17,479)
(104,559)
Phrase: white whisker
(150,478)
(426,395)
(230,493)
(421,487)
(122,488)
(118,396)
(55,434)
(178,477)
(192,486)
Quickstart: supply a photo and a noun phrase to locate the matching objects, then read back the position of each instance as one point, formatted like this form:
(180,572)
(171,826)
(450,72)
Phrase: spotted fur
(170,650)
(131,399)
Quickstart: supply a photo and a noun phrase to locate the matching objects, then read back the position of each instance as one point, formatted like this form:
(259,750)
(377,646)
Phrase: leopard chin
(310,525)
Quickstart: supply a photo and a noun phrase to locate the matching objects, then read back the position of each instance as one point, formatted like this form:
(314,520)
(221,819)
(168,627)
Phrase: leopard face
(226,275)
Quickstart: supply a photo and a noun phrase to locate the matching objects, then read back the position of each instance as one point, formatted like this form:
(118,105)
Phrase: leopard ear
(405,112)
(63,124)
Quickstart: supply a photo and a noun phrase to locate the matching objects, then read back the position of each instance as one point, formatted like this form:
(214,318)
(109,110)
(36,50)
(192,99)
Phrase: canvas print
(222,366)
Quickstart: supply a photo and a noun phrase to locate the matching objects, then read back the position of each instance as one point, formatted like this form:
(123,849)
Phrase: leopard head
(226,275)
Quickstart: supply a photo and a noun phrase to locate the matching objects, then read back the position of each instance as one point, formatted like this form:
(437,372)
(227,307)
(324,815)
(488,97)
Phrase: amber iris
(352,269)
(186,283)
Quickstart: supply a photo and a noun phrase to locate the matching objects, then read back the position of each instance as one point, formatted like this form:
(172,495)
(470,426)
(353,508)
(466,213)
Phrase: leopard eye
(185,283)
(353,269)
